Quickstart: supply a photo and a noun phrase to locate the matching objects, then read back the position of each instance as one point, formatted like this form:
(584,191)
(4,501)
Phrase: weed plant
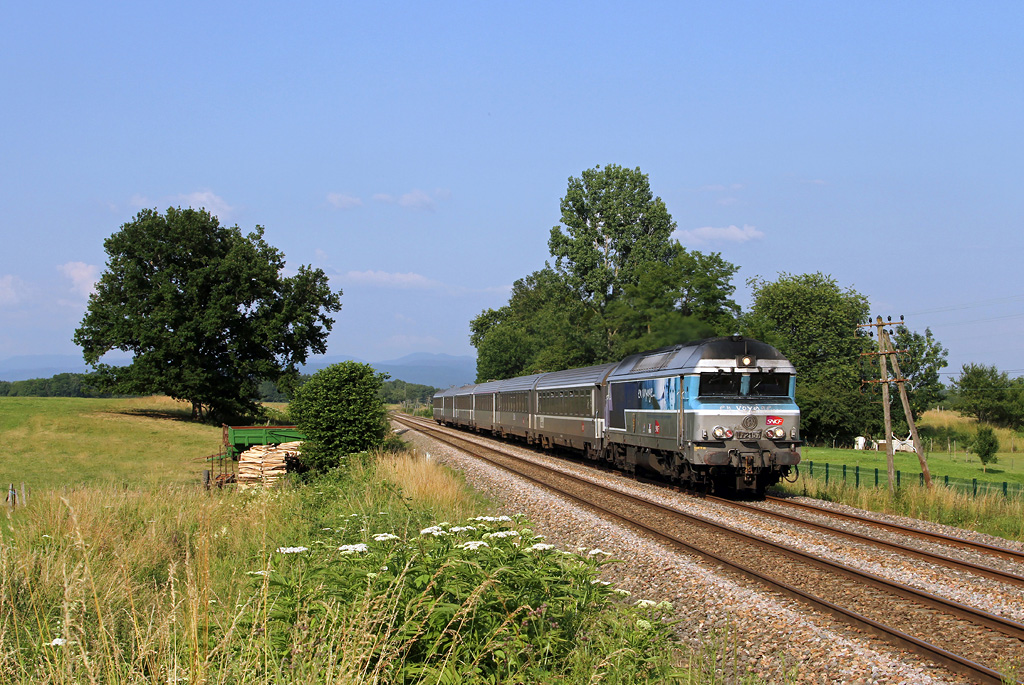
(349,577)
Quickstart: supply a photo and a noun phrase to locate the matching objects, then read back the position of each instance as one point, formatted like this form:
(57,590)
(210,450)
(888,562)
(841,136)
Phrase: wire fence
(875,477)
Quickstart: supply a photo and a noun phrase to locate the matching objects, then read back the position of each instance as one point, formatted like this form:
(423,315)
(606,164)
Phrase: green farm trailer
(238,439)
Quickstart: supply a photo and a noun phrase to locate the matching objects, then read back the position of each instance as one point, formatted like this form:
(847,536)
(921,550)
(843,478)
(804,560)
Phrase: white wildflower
(503,534)
(596,581)
(292,550)
(371,575)
(488,519)
(624,593)
(46,536)
(352,549)
(664,606)
(58,642)
(645,603)
(258,573)
(474,544)
(461,529)
(504,518)
(540,546)
(384,537)
(642,624)
(598,550)
(433,530)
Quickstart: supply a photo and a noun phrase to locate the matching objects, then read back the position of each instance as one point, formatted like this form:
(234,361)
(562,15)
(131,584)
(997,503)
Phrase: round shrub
(340,411)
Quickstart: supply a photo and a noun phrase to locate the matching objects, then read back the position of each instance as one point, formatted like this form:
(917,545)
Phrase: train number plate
(748,435)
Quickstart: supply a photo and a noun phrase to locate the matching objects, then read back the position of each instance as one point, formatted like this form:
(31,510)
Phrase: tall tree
(614,228)
(813,321)
(205,311)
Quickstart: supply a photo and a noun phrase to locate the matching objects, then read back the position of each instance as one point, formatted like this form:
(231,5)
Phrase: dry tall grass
(427,484)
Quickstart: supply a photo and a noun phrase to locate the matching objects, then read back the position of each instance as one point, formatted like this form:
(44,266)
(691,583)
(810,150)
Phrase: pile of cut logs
(264,464)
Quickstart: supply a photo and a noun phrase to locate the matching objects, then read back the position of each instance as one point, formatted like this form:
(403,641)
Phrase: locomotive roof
(701,354)
(589,375)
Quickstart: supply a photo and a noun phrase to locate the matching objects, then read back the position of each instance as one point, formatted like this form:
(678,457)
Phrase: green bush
(340,411)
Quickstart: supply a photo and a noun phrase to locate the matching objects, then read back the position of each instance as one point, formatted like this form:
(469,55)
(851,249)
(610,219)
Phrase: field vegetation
(386,570)
(945,435)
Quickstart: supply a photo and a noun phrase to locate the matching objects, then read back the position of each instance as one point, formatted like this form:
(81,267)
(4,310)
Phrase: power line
(969,305)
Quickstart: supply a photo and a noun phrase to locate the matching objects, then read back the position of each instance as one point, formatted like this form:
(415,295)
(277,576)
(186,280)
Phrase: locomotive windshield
(728,384)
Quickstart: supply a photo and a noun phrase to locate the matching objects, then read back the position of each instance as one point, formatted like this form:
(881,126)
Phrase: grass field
(942,459)
(122,569)
(57,442)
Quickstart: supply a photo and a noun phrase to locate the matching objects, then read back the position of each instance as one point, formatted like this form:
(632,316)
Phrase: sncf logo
(773,421)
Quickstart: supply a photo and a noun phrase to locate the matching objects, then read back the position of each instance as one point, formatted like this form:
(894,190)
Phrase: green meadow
(59,442)
(123,569)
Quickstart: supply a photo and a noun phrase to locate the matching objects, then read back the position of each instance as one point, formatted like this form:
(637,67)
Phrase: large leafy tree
(205,311)
(619,285)
(614,228)
(814,322)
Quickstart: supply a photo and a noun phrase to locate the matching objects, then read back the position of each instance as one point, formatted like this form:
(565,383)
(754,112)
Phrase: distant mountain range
(437,370)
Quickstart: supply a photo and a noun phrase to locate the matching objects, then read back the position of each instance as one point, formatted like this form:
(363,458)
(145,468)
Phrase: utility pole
(887,351)
(901,384)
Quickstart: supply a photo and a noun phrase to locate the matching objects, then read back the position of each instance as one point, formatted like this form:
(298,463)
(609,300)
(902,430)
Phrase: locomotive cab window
(726,384)
(769,384)
(719,384)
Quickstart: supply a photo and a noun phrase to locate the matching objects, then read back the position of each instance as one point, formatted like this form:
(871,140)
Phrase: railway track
(963,638)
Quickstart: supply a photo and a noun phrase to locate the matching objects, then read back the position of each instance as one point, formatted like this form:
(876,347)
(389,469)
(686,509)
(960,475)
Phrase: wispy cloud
(344,201)
(12,290)
(707,235)
(385,279)
(415,199)
(83,277)
(205,199)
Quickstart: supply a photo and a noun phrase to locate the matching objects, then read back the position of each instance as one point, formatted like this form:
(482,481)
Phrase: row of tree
(620,284)
(60,385)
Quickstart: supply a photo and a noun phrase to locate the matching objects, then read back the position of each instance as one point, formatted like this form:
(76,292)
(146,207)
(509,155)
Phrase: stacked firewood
(264,464)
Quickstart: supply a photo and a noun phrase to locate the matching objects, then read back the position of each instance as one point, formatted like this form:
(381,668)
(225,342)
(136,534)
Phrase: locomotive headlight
(718,433)
(776,433)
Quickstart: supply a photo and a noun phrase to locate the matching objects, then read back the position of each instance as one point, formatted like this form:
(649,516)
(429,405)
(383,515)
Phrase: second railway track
(963,638)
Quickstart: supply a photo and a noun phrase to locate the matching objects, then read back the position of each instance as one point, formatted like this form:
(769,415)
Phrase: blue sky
(417,152)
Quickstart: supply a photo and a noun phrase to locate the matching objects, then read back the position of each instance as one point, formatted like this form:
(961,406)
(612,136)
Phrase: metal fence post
(844,474)
(876,476)
(946,478)
(1004,488)
(826,473)
(856,475)
(897,479)
(975,486)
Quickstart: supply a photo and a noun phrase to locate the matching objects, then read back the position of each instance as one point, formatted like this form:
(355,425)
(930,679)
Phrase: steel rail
(953,661)
(988,571)
(1011,554)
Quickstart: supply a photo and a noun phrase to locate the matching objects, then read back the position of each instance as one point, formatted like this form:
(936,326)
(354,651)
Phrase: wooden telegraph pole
(887,351)
(901,384)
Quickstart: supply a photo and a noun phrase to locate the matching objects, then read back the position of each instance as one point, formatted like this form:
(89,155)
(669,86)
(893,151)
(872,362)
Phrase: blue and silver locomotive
(717,414)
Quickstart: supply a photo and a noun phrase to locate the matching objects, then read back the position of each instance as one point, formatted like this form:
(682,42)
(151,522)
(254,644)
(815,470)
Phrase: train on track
(719,415)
